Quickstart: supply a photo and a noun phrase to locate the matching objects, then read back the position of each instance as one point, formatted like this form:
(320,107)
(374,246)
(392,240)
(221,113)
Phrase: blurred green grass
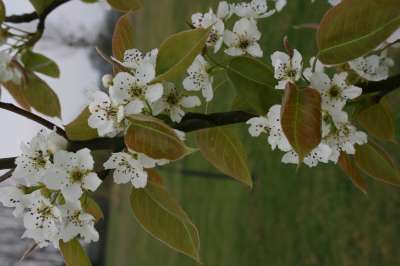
(292,217)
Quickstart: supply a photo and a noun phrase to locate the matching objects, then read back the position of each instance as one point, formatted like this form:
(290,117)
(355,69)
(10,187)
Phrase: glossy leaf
(378,120)
(40,63)
(224,150)
(2,11)
(125,5)
(17,92)
(123,36)
(355,27)
(40,5)
(254,84)
(41,97)
(90,206)
(79,129)
(178,52)
(162,217)
(348,166)
(154,138)
(301,118)
(74,254)
(377,163)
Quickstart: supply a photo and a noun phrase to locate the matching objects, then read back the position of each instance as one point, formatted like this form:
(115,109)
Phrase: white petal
(320,81)
(255,50)
(55,178)
(91,181)
(72,192)
(352,92)
(154,92)
(290,157)
(230,38)
(234,51)
(190,101)
(134,107)
(85,159)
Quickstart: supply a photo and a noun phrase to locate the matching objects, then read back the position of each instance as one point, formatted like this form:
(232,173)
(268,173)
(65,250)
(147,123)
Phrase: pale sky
(77,74)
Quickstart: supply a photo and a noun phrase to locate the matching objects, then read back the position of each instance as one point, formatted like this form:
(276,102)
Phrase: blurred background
(291,217)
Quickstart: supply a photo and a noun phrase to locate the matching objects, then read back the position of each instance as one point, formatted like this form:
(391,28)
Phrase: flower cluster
(243,38)
(338,134)
(48,189)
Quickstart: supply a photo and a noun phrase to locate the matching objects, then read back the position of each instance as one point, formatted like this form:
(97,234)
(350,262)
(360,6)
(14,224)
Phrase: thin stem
(7,163)
(12,108)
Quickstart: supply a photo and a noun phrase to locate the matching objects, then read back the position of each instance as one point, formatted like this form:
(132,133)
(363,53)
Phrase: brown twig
(15,109)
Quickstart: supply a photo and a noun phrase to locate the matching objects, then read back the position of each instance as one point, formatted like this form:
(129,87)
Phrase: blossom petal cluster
(338,134)
(47,188)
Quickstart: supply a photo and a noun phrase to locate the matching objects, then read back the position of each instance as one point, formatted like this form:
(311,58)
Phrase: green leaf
(2,11)
(178,52)
(301,118)
(355,27)
(254,83)
(90,206)
(348,166)
(123,36)
(17,92)
(41,97)
(41,5)
(378,120)
(74,254)
(224,150)
(40,63)
(90,1)
(377,163)
(162,217)
(154,138)
(125,5)
(79,129)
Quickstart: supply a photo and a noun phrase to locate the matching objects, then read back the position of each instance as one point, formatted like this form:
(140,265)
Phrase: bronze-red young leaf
(301,118)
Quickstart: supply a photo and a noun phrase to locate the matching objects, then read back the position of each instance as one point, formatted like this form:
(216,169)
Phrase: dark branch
(195,121)
(12,108)
(7,163)
(24,18)
(384,86)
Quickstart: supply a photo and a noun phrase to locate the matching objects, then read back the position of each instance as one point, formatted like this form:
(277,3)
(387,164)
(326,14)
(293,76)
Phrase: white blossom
(342,138)
(253,10)
(319,68)
(199,79)
(243,39)
(287,69)
(72,173)
(13,197)
(7,71)
(76,222)
(173,103)
(135,91)
(280,4)
(271,125)
(215,39)
(258,125)
(128,168)
(35,157)
(373,67)
(41,220)
(106,116)
(334,2)
(224,10)
(320,154)
(133,58)
(335,92)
